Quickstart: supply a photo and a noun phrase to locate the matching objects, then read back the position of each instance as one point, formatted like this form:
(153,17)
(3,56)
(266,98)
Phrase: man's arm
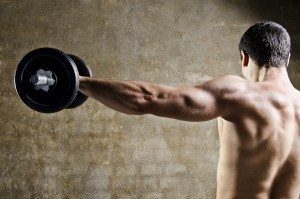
(194,103)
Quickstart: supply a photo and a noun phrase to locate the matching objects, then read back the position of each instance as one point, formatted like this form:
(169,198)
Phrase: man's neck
(273,74)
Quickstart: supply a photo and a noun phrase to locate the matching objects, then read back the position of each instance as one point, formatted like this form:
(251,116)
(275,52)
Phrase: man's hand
(195,103)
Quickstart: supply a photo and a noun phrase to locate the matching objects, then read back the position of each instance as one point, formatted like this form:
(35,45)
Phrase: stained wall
(93,151)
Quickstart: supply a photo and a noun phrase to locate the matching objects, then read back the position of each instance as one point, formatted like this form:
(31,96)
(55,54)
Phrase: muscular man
(258,117)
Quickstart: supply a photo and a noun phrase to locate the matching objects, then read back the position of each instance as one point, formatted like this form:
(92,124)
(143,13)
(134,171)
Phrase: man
(258,117)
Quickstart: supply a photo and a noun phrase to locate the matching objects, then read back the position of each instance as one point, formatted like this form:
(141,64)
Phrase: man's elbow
(143,105)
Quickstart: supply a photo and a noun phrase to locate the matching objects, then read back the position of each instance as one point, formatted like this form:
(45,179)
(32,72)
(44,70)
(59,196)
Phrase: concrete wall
(94,152)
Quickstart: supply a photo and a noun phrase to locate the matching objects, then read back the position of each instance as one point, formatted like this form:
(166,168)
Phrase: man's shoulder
(232,92)
(227,84)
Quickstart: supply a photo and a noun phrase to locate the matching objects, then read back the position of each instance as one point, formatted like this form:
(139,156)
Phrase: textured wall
(94,152)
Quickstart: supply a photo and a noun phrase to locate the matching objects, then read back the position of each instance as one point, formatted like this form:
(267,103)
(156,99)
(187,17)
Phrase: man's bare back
(260,148)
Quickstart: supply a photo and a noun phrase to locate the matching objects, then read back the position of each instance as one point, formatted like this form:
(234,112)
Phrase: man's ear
(245,58)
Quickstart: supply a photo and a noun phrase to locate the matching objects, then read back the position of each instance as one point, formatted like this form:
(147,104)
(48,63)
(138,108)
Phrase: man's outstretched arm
(188,103)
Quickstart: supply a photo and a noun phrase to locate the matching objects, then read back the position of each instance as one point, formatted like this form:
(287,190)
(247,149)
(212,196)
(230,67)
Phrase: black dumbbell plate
(83,70)
(65,73)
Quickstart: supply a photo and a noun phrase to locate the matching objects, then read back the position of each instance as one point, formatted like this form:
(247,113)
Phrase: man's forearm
(124,96)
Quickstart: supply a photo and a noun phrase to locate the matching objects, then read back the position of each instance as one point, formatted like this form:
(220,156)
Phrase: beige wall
(94,152)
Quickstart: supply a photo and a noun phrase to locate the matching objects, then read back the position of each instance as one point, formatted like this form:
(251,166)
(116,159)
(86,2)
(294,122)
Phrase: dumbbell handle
(41,80)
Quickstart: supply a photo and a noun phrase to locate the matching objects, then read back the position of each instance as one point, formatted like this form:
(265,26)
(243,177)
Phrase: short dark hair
(267,43)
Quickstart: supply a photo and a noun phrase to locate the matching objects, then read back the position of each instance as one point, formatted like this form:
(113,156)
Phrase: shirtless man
(258,117)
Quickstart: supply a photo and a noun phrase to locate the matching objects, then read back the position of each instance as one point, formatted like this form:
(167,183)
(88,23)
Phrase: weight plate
(83,70)
(64,71)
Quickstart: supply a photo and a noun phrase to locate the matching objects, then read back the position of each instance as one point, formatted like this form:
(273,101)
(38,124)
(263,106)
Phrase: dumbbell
(47,80)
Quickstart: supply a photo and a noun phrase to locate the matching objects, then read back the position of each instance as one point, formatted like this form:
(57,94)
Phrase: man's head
(265,44)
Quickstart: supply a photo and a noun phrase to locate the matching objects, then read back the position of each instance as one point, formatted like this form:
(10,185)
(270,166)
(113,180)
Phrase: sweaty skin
(258,122)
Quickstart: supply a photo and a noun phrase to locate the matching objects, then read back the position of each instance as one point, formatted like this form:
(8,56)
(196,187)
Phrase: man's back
(260,148)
